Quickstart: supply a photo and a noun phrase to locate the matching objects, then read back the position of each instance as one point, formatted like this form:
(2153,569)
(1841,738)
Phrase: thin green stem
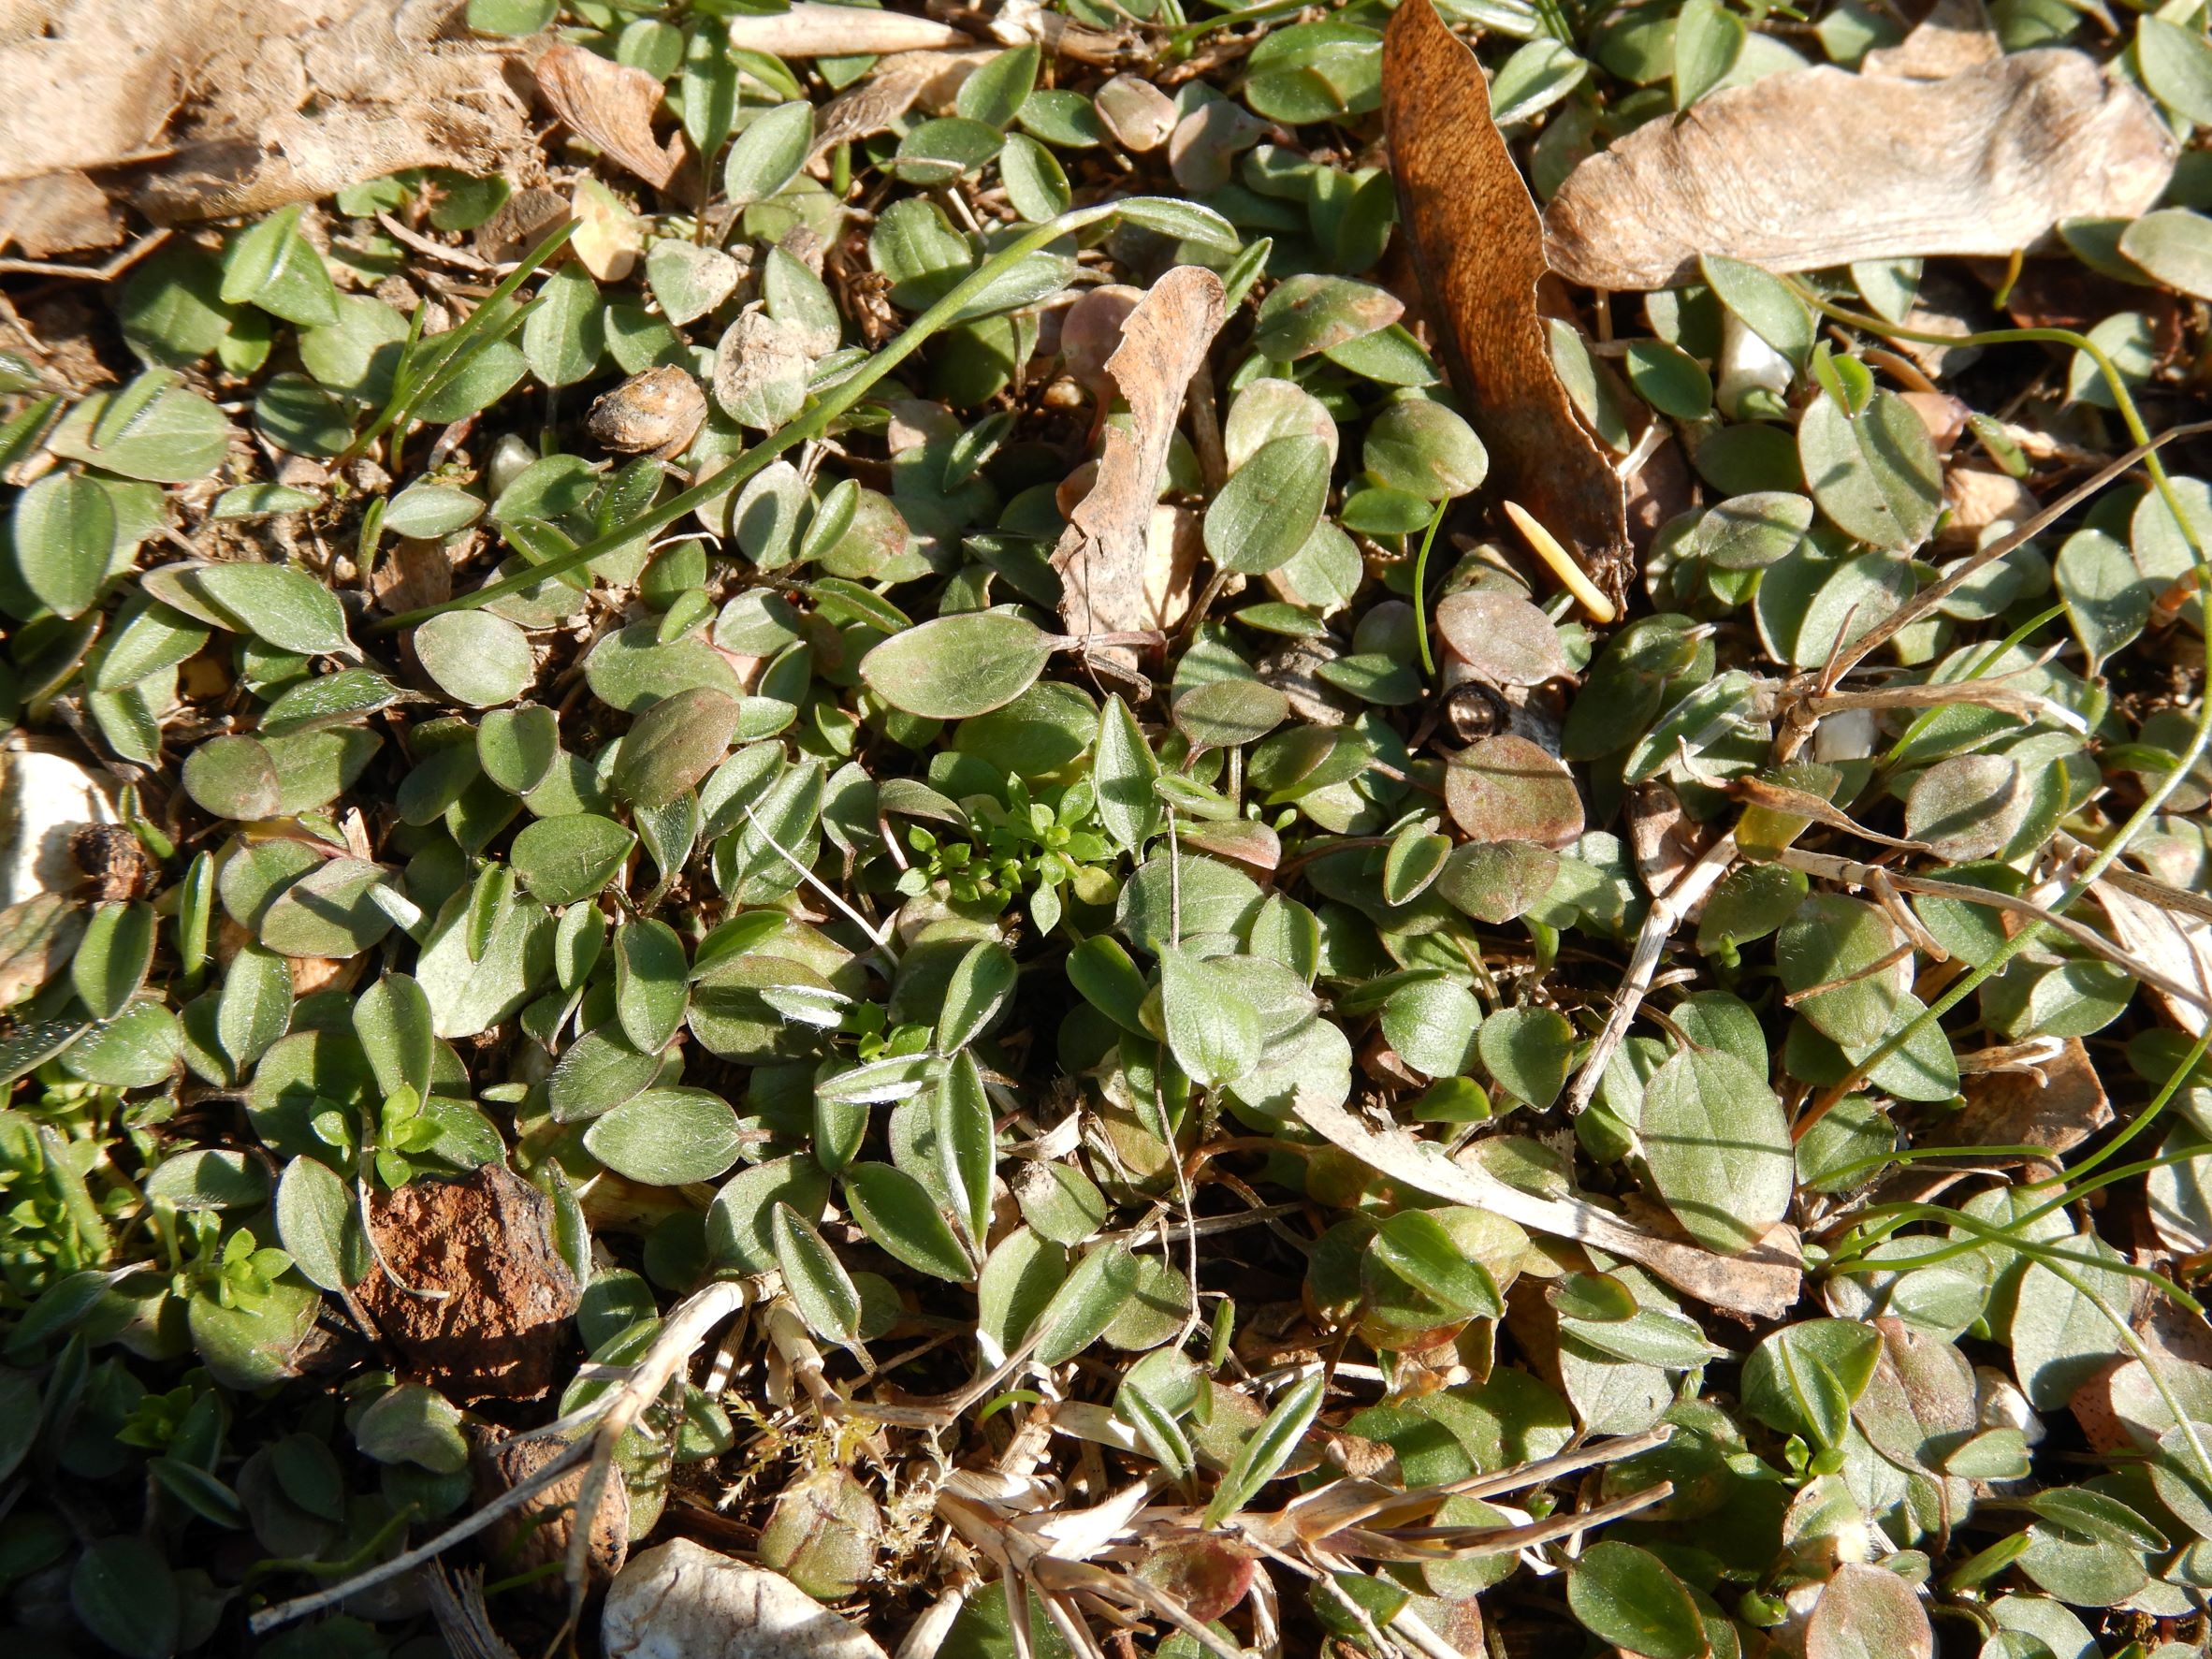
(2135,1347)
(339,1569)
(2200,734)
(1191,34)
(2043,1255)
(2123,402)
(813,424)
(2143,1119)
(1911,1155)
(1990,659)
(1888,1221)
(451,345)
(1420,586)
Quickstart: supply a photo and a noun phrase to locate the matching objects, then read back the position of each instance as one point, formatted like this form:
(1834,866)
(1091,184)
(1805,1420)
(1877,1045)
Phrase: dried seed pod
(658,409)
(112,860)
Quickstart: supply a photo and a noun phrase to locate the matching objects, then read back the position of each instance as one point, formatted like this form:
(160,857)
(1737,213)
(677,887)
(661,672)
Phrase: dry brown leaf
(610,107)
(1101,556)
(2176,944)
(538,1533)
(1764,1282)
(89,85)
(56,214)
(291,103)
(1478,248)
(1956,36)
(681,1598)
(412,574)
(898,83)
(1819,168)
(2058,1109)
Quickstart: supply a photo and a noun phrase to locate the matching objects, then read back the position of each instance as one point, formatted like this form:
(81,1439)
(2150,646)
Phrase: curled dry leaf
(1102,555)
(609,106)
(681,1599)
(2058,1104)
(538,1533)
(810,30)
(2176,942)
(1478,248)
(1091,332)
(900,81)
(1819,168)
(1763,1281)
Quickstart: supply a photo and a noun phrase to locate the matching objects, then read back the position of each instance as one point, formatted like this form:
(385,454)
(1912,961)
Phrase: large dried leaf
(1478,250)
(1819,168)
(91,84)
(1101,556)
(610,106)
(1954,35)
(681,1597)
(242,109)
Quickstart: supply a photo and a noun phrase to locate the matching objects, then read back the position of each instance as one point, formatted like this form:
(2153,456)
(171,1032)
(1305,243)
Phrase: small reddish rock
(484,1241)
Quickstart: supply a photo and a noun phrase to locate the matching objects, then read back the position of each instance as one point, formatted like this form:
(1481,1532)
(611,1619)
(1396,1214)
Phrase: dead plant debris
(1092,828)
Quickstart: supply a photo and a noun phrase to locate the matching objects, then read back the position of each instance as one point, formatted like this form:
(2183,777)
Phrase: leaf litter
(1011,827)
(1786,174)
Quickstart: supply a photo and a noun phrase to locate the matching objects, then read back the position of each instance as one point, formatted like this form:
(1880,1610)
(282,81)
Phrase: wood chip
(1478,247)
(1102,555)
(1819,168)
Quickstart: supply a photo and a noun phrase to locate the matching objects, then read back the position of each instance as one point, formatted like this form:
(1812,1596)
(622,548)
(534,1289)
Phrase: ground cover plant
(1123,828)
